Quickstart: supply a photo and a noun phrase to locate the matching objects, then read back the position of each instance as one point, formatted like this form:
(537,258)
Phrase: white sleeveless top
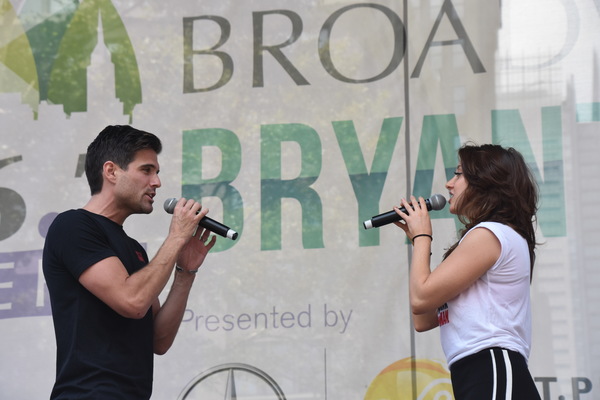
(495,311)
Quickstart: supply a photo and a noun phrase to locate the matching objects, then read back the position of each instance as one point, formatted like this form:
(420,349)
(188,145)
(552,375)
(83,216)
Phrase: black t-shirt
(100,354)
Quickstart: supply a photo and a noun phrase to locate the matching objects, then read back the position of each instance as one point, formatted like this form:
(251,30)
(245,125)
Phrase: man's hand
(195,250)
(186,217)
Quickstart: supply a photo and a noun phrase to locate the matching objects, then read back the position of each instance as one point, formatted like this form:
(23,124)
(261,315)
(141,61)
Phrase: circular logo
(228,381)
(410,379)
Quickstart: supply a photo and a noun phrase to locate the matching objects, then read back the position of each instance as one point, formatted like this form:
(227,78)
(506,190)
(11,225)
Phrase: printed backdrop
(294,122)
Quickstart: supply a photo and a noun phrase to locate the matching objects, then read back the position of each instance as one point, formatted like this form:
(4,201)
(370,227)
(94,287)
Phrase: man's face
(136,187)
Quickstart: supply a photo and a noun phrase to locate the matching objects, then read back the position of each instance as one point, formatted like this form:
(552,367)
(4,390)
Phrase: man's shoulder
(78,215)
(74,222)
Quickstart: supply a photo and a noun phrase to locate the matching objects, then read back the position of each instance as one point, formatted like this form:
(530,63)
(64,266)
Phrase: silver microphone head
(172,202)
(437,202)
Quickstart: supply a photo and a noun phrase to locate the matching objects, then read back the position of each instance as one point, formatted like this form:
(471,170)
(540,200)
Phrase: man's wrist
(179,269)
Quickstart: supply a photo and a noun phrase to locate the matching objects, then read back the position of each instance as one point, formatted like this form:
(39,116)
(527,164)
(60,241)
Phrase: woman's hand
(415,221)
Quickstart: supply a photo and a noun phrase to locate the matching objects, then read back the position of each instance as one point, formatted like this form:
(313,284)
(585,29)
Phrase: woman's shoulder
(502,231)
(494,226)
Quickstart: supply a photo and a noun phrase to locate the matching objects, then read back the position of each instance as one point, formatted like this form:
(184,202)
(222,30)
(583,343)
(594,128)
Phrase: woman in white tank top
(479,294)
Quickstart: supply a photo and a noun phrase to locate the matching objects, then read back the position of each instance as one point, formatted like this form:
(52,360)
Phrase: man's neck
(106,206)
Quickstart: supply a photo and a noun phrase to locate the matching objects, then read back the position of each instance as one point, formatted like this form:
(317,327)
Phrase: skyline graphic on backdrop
(48,60)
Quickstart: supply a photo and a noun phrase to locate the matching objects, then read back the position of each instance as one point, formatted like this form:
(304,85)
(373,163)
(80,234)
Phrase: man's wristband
(179,269)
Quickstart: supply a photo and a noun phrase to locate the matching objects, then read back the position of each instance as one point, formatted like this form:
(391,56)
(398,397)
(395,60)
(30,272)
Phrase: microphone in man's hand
(205,222)
(436,202)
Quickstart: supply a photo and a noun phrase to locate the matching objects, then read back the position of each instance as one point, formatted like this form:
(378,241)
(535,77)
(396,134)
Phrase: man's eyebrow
(150,165)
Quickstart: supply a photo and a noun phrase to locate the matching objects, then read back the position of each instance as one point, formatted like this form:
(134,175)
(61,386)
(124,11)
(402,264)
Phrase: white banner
(294,122)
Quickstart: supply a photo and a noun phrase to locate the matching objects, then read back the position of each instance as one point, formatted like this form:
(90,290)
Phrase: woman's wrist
(421,235)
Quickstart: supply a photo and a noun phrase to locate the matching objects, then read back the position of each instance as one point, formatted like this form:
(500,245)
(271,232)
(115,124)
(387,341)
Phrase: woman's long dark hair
(501,188)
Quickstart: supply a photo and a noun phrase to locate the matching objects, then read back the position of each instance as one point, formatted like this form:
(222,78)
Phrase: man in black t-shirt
(103,289)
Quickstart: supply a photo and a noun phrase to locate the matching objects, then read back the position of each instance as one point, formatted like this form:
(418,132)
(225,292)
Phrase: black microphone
(436,202)
(205,222)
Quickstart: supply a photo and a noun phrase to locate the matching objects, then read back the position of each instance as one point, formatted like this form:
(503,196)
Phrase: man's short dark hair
(116,143)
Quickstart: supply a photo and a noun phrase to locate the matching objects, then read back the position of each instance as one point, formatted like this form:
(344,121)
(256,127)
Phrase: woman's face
(456,186)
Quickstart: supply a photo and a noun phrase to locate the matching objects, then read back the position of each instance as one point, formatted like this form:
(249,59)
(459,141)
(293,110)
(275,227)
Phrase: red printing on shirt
(140,256)
(442,315)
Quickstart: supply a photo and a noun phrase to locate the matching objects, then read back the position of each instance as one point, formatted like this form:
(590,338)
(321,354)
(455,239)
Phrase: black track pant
(494,374)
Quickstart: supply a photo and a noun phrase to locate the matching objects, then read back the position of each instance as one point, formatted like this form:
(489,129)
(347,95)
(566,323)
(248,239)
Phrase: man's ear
(109,171)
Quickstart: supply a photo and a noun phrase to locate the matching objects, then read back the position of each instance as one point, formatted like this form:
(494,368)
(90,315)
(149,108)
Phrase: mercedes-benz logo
(227,380)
